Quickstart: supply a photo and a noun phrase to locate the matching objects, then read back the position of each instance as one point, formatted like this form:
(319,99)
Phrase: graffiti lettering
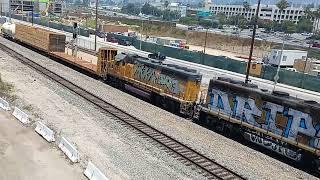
(270,144)
(154,76)
(280,120)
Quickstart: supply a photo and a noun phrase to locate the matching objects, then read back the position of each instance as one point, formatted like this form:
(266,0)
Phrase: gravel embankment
(248,162)
(116,150)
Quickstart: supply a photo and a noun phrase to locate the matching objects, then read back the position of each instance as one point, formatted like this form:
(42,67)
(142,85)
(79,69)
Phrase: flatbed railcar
(274,121)
(171,87)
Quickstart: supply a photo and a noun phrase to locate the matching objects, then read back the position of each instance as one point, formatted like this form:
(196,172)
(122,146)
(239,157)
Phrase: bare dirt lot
(25,155)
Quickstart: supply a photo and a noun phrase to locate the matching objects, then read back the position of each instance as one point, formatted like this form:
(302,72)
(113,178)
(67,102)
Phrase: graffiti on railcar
(274,145)
(154,76)
(281,120)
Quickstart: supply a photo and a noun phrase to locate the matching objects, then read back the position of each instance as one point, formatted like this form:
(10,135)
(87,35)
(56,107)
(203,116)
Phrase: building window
(276,11)
(284,58)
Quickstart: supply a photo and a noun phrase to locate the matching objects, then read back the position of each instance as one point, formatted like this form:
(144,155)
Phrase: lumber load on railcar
(276,121)
(172,87)
(40,38)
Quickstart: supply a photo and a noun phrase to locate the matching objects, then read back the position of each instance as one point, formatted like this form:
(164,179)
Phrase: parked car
(101,34)
(124,42)
(157,56)
(111,38)
(291,69)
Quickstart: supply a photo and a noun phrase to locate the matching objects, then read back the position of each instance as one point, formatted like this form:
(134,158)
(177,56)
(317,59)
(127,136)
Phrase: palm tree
(307,12)
(282,5)
(246,6)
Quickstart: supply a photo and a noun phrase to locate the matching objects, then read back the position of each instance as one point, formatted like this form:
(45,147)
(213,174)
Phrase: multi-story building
(4,6)
(22,6)
(172,7)
(267,12)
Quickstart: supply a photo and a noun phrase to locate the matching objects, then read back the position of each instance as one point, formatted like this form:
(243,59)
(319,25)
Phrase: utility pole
(96,31)
(252,42)
(305,64)
(10,11)
(205,42)
(32,15)
(276,77)
(141,27)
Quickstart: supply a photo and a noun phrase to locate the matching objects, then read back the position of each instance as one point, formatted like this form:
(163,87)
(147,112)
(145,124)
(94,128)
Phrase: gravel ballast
(248,162)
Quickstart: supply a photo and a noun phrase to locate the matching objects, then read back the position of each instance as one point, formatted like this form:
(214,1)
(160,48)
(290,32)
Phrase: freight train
(273,120)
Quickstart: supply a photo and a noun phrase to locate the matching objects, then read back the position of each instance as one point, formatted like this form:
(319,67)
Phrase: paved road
(25,155)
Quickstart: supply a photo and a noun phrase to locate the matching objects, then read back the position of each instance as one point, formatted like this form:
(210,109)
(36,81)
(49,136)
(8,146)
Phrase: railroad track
(190,157)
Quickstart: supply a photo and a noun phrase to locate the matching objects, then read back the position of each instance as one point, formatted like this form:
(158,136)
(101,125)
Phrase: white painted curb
(69,150)
(4,105)
(93,173)
(45,132)
(20,115)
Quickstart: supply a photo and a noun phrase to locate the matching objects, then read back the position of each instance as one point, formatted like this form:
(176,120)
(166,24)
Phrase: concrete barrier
(20,115)
(45,132)
(4,105)
(93,173)
(69,150)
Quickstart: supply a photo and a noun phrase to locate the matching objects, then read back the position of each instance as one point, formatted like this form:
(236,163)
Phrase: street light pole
(141,27)
(276,77)
(96,21)
(32,14)
(252,42)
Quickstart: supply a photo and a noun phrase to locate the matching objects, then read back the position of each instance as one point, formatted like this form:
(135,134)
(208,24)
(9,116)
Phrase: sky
(267,1)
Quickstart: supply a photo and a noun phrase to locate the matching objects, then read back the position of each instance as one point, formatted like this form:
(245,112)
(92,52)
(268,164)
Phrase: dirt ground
(25,155)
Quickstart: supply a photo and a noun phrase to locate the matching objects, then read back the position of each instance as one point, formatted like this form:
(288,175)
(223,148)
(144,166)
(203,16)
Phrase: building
(266,12)
(286,58)
(4,6)
(172,7)
(22,6)
(316,25)
(113,28)
(302,65)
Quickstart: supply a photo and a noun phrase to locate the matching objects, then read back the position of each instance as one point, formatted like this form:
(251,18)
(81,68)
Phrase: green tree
(222,18)
(307,12)
(85,2)
(304,25)
(246,7)
(282,5)
(130,8)
(288,27)
(170,15)
(188,20)
(242,23)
